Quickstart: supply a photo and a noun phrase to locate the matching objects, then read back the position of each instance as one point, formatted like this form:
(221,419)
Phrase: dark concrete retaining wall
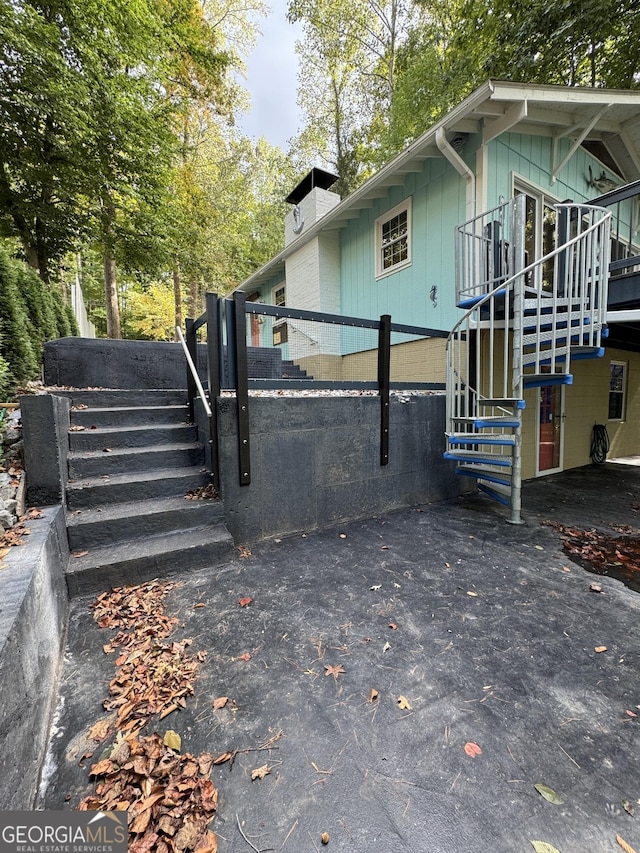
(315,461)
(33,616)
(45,428)
(101,363)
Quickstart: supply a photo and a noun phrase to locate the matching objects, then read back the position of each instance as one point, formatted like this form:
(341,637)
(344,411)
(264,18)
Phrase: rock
(6,519)
(11,435)
(11,505)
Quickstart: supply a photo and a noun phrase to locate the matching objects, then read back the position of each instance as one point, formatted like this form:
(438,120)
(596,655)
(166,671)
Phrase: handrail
(537,263)
(194,372)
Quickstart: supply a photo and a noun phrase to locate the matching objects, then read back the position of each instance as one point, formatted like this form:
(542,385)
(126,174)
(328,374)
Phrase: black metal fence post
(384,379)
(192,347)
(242,386)
(213,369)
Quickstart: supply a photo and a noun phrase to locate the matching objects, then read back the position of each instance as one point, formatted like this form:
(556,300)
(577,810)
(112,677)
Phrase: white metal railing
(573,308)
(522,323)
(194,372)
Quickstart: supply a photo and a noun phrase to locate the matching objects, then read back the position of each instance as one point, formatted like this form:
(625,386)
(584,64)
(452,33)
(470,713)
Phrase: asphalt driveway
(406,681)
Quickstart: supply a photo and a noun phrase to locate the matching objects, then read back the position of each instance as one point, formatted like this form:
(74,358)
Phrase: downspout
(461,168)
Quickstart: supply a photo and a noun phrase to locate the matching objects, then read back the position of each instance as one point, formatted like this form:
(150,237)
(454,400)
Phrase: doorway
(550,429)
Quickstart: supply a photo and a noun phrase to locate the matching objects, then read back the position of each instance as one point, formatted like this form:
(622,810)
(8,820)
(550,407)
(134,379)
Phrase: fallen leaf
(544,847)
(324,838)
(595,587)
(343,535)
(168,710)
(376,587)
(245,656)
(335,671)
(244,552)
(625,846)
(472,749)
(600,649)
(473,594)
(199,604)
(566,569)
(245,602)
(100,730)
(538,547)
(77,554)
(373,695)
(225,756)
(631,713)
(549,794)
(172,740)
(106,450)
(404,704)
(220,702)
(260,772)
(393,626)
(386,647)
(626,805)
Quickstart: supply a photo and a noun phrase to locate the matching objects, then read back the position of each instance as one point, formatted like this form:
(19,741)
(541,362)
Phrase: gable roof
(583,115)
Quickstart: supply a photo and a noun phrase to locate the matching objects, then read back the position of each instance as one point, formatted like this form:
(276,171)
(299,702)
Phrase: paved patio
(471,632)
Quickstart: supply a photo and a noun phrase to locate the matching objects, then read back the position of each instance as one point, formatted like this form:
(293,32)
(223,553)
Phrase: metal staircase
(525,320)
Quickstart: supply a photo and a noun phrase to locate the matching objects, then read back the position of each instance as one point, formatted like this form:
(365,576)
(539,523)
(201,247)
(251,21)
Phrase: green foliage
(15,326)
(31,312)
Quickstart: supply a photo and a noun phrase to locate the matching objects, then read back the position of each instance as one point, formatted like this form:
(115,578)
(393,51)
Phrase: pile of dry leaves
(601,553)
(154,674)
(169,797)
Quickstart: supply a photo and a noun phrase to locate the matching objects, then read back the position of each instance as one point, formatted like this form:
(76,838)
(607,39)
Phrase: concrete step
(99,398)
(129,416)
(122,460)
(106,525)
(131,436)
(93,492)
(144,559)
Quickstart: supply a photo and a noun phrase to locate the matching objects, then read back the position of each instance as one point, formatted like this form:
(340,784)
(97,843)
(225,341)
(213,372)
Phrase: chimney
(311,200)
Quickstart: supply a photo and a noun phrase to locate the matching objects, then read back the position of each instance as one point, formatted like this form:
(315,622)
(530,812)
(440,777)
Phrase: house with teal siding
(490,213)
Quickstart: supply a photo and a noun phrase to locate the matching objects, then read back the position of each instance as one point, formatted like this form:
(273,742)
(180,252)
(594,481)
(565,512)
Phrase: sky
(272,71)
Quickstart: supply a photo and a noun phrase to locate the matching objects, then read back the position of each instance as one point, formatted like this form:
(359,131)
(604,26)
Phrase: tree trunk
(177,299)
(193,297)
(110,284)
(111,295)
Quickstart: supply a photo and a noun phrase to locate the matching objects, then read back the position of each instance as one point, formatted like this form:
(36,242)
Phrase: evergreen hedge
(30,314)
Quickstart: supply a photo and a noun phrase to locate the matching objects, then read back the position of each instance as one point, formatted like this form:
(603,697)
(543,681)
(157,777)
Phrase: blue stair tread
(479,438)
(471,301)
(506,423)
(537,380)
(492,493)
(480,458)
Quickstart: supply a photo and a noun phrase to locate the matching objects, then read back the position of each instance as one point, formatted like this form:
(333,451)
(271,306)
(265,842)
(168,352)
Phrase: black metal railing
(251,345)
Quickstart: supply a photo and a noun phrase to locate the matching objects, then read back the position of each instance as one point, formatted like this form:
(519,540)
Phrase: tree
(348,78)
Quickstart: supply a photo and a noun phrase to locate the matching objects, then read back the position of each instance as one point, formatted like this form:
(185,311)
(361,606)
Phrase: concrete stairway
(132,458)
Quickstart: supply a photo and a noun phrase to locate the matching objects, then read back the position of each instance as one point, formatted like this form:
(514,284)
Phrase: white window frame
(622,392)
(274,290)
(381,272)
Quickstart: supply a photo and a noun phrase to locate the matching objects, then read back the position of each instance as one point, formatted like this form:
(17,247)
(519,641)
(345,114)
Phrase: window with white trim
(280,330)
(617,389)
(393,239)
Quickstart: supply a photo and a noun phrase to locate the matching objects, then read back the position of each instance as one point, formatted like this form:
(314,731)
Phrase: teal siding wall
(530,157)
(438,204)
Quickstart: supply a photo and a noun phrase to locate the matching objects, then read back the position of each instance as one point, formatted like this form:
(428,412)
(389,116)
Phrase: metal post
(517,234)
(384,370)
(192,347)
(213,367)
(242,386)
